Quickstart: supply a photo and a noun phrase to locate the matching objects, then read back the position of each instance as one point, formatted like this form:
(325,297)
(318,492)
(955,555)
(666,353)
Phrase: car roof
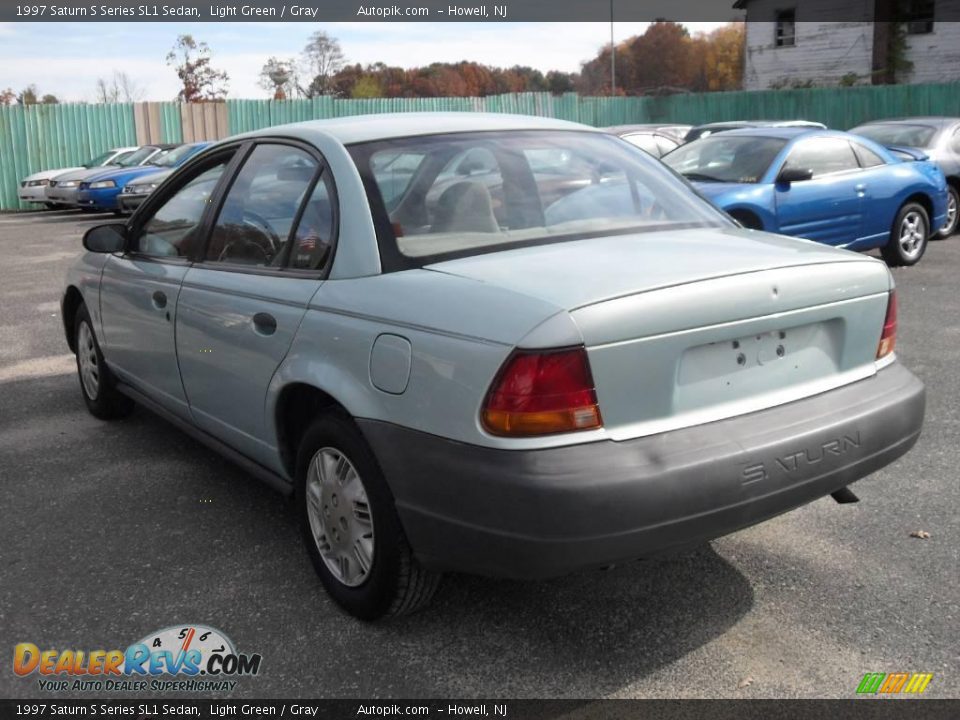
(784,133)
(615,129)
(761,124)
(934,120)
(368,128)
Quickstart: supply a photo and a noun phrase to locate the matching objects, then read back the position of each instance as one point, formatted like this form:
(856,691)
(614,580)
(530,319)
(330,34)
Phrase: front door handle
(860,188)
(159,300)
(264,323)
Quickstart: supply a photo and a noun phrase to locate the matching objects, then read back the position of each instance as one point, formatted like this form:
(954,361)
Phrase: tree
(323,58)
(118,88)
(279,78)
(28,96)
(201,82)
(7,97)
(49,99)
(367,87)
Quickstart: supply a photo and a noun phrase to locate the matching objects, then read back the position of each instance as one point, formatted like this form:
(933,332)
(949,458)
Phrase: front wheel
(351,527)
(953,213)
(97,384)
(908,236)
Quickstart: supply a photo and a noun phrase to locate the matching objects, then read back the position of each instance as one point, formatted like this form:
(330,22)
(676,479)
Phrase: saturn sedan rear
(503,345)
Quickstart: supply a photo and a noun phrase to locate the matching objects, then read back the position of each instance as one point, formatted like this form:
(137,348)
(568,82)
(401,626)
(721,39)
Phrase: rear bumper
(542,513)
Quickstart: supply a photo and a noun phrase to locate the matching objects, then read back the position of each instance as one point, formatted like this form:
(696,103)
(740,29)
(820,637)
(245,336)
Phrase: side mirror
(792,175)
(106,238)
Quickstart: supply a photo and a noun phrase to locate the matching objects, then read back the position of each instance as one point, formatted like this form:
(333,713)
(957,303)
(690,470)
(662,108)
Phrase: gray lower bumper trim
(534,514)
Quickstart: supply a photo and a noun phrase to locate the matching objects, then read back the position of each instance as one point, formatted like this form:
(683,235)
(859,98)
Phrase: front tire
(97,384)
(350,525)
(908,236)
(953,213)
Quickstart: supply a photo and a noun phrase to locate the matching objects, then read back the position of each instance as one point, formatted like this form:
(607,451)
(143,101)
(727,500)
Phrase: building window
(786,28)
(919,16)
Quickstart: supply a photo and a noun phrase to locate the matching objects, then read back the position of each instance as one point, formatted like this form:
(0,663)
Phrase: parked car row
(97,185)
(890,185)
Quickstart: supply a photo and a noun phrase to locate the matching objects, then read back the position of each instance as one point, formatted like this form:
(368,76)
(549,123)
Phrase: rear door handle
(860,188)
(264,323)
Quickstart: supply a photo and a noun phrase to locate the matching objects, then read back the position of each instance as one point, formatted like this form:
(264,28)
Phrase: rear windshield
(725,158)
(919,136)
(465,194)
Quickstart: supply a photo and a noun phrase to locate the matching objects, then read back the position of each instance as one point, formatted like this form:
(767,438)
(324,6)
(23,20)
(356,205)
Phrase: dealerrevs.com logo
(183,658)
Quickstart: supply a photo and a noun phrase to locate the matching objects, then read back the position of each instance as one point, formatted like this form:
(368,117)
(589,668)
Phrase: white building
(843,45)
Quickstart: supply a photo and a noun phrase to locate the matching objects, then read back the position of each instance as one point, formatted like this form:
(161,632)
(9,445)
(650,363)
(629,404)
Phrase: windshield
(174,157)
(725,158)
(137,156)
(470,193)
(919,136)
(98,160)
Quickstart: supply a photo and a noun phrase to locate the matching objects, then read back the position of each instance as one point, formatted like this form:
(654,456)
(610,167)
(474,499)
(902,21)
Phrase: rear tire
(350,525)
(908,236)
(953,213)
(97,384)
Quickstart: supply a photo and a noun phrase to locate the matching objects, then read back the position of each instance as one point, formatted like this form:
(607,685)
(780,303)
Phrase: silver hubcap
(87,357)
(913,234)
(339,515)
(951,224)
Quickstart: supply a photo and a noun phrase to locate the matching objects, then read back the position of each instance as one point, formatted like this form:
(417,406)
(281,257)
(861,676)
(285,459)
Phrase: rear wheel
(351,527)
(97,384)
(953,215)
(908,236)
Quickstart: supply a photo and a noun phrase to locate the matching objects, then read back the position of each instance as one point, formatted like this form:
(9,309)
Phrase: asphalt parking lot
(112,530)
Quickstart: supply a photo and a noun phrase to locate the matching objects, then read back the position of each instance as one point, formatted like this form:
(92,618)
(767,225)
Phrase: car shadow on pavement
(177,535)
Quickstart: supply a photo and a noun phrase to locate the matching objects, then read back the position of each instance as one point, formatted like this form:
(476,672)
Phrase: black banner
(462,10)
(853,709)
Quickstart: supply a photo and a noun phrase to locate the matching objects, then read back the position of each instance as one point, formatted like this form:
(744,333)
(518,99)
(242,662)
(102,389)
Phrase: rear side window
(823,156)
(255,220)
(312,243)
(868,158)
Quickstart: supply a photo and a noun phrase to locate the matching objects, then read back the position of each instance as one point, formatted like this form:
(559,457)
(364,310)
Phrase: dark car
(938,138)
(657,140)
(712,128)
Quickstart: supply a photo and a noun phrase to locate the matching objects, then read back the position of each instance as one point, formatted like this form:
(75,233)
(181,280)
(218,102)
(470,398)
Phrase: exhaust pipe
(844,495)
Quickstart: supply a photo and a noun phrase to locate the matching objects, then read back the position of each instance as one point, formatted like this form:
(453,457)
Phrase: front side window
(786,28)
(823,156)
(254,223)
(477,192)
(725,158)
(173,229)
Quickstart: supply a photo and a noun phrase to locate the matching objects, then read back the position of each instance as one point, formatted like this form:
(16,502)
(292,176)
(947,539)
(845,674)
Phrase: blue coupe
(101,191)
(832,187)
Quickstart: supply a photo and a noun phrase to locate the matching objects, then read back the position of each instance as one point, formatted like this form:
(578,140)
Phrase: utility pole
(613,56)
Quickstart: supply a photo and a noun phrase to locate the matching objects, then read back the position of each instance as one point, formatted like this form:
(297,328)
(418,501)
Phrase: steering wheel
(258,223)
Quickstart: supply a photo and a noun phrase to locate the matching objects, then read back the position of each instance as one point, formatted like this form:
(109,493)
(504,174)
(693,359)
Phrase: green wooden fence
(39,137)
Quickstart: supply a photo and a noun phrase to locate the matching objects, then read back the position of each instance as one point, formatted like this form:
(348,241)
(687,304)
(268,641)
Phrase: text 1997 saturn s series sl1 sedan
(502,345)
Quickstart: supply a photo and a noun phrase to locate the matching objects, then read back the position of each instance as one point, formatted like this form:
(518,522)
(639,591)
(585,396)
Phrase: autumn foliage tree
(665,58)
(200,80)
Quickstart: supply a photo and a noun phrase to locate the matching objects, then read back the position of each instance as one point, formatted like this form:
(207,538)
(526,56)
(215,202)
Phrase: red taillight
(888,339)
(542,392)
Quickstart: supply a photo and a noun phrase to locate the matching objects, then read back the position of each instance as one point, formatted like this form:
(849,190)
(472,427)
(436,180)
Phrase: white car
(33,187)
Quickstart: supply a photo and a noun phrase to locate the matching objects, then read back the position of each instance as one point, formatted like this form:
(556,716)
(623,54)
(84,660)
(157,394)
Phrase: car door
(828,207)
(242,301)
(879,190)
(138,290)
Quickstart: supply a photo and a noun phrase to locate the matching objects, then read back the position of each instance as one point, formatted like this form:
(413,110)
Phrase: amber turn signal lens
(888,339)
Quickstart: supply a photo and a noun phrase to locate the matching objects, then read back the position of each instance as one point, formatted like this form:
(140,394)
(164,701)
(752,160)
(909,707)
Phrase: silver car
(563,360)
(63,189)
